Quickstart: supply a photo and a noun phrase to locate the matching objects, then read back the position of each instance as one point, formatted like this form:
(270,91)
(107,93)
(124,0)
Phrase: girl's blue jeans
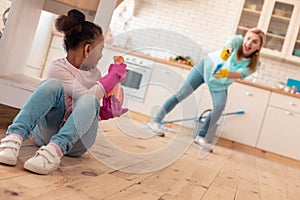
(192,82)
(43,114)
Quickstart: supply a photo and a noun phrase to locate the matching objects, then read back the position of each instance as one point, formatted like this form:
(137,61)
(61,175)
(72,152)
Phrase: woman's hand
(226,52)
(224,73)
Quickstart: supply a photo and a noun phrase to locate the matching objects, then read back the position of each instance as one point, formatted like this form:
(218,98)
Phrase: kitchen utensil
(294,89)
(287,89)
(280,85)
(293,82)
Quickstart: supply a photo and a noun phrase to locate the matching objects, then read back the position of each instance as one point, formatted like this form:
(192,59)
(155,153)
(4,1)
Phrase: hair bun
(79,16)
(70,24)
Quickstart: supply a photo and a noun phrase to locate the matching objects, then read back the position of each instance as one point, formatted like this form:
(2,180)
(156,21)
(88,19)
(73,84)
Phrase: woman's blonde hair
(254,57)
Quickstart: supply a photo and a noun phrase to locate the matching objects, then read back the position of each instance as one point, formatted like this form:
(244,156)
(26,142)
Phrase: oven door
(133,79)
(136,81)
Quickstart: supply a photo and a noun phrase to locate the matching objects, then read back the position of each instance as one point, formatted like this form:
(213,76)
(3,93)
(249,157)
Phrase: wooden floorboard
(119,166)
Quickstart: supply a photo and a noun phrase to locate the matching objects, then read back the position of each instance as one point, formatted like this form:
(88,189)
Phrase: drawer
(285,102)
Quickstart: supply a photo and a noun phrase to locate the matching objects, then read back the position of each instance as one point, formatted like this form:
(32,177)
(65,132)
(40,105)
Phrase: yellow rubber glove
(222,73)
(226,53)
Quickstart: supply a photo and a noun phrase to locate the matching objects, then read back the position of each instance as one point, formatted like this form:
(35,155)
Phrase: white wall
(208,23)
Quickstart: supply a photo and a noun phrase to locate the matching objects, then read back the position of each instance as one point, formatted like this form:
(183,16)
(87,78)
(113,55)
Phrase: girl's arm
(73,87)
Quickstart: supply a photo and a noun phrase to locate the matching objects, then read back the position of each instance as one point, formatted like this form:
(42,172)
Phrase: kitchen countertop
(167,62)
(267,88)
(183,66)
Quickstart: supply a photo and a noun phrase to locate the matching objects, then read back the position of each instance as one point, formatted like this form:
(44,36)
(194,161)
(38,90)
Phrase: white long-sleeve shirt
(76,82)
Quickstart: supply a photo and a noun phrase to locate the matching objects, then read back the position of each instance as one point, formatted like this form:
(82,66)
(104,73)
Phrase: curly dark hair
(77,30)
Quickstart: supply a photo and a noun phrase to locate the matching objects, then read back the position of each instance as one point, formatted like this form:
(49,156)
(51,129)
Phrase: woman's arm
(235,75)
(224,73)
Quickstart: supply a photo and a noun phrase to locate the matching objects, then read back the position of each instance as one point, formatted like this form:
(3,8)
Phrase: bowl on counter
(296,52)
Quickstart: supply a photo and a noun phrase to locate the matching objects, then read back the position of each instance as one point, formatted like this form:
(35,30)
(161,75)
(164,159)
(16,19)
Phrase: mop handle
(240,112)
(179,120)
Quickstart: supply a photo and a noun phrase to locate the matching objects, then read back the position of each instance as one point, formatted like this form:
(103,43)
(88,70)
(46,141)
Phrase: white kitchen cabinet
(294,53)
(280,131)
(279,19)
(285,102)
(244,128)
(163,84)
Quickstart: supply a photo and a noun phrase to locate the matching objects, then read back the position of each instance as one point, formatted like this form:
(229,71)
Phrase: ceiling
(61,7)
(81,4)
(91,5)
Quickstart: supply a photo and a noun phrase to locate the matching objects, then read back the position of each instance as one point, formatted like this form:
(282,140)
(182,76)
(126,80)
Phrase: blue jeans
(193,81)
(43,114)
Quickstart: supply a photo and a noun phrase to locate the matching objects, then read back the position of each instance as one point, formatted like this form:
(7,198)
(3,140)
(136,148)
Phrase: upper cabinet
(279,19)
(251,13)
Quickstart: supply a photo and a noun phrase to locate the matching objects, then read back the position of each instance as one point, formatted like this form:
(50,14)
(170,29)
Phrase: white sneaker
(156,128)
(44,161)
(202,143)
(9,149)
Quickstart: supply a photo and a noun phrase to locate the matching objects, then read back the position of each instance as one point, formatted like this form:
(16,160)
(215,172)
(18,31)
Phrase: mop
(196,119)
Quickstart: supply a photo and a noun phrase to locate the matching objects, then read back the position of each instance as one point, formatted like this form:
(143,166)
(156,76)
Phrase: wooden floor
(122,166)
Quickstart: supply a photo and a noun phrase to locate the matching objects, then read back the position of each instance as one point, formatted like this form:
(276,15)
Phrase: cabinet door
(280,133)
(294,51)
(280,25)
(251,13)
(244,128)
(163,84)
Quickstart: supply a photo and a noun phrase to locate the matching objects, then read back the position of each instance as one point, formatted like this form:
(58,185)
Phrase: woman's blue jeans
(43,114)
(193,81)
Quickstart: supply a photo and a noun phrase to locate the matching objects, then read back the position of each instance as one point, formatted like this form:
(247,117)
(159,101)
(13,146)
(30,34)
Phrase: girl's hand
(119,69)
(111,108)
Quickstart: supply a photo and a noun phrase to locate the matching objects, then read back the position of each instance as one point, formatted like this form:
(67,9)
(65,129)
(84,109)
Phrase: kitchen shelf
(251,11)
(281,17)
(243,28)
(276,36)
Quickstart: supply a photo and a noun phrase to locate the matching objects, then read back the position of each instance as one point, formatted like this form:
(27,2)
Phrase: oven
(137,78)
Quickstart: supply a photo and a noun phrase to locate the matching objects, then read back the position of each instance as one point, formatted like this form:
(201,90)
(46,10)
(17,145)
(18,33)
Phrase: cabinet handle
(292,104)
(289,113)
(249,94)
